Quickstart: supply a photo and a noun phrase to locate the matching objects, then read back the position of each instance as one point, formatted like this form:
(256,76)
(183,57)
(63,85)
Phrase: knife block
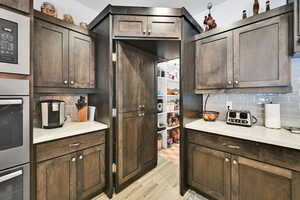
(82,114)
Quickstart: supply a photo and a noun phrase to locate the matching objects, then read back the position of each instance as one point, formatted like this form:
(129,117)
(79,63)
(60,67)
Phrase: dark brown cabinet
(296,27)
(56,178)
(226,168)
(136,119)
(62,58)
(51,64)
(209,171)
(144,26)
(261,181)
(261,54)
(72,168)
(81,61)
(22,5)
(252,54)
(90,171)
(126,25)
(214,61)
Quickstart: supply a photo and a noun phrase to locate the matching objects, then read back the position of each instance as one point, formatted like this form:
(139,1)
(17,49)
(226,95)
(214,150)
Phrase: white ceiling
(193,6)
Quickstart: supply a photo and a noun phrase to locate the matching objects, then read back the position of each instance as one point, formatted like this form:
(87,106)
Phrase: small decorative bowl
(210,115)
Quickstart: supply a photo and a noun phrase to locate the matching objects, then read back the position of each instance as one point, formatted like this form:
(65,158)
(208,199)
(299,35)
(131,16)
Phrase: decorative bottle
(255,7)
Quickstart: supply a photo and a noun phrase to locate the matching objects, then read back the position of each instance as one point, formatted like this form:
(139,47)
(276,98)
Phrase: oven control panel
(8,42)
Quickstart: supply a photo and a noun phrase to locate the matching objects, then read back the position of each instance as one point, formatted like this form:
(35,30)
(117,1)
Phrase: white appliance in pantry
(14,43)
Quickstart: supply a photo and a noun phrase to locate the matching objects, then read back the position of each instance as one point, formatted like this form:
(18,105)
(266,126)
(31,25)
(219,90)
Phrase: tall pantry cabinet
(129,41)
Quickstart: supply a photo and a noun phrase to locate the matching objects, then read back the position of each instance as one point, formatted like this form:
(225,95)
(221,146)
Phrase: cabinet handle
(141,114)
(235,162)
(73,159)
(80,157)
(236,82)
(233,147)
(75,144)
(229,82)
(72,82)
(227,160)
(65,82)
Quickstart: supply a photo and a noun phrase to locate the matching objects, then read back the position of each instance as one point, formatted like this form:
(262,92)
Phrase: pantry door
(135,119)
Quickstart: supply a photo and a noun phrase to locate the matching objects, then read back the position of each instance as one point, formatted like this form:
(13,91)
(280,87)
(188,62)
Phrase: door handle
(11,176)
(11,102)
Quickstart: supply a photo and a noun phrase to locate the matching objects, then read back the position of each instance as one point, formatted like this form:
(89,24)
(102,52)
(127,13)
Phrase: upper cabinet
(144,26)
(214,62)
(21,5)
(297,27)
(63,57)
(251,56)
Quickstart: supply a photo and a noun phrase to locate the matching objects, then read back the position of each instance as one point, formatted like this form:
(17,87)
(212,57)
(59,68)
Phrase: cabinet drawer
(231,145)
(275,155)
(61,147)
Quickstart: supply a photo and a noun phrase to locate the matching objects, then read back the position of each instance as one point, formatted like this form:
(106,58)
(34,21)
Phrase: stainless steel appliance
(242,118)
(14,42)
(53,113)
(15,183)
(14,123)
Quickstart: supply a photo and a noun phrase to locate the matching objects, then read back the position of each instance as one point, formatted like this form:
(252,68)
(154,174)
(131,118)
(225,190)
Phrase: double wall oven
(14,107)
(14,139)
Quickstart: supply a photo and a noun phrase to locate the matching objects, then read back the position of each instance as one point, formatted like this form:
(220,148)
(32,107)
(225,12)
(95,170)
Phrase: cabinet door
(22,5)
(209,171)
(50,55)
(130,26)
(261,54)
(260,181)
(128,149)
(91,171)
(214,62)
(149,140)
(56,178)
(296,26)
(81,61)
(129,78)
(169,27)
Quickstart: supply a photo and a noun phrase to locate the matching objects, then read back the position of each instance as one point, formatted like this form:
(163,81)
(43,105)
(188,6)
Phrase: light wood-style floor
(162,183)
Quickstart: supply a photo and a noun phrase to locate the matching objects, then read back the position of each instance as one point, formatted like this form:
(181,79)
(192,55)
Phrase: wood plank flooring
(162,183)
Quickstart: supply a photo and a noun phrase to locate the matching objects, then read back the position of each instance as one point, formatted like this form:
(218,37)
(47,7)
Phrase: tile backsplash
(290,103)
(70,108)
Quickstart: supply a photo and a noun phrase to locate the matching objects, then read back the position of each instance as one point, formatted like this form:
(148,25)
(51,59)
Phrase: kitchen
(87,88)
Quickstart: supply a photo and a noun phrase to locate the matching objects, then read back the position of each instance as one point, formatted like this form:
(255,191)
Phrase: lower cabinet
(209,171)
(74,176)
(71,168)
(56,178)
(227,176)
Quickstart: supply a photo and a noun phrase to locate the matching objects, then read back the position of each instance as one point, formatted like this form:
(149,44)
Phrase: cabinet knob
(149,32)
(65,82)
(144,31)
(235,162)
(73,159)
(80,157)
(227,160)
(236,82)
(72,82)
(229,82)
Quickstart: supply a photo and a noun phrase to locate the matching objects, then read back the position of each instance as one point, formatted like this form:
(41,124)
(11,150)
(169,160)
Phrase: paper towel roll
(272,116)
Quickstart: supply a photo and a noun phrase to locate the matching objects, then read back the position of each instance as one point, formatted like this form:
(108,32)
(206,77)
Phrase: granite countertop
(278,137)
(69,129)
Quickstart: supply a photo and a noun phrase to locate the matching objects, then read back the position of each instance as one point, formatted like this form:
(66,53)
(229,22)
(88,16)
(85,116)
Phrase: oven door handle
(11,101)
(11,176)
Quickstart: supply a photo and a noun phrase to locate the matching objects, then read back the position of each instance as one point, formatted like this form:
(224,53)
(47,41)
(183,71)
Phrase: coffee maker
(53,113)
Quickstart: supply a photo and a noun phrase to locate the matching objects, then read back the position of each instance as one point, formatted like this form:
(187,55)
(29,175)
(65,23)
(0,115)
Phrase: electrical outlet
(229,105)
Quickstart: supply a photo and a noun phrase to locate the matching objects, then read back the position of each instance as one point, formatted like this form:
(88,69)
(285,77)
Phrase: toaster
(241,118)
